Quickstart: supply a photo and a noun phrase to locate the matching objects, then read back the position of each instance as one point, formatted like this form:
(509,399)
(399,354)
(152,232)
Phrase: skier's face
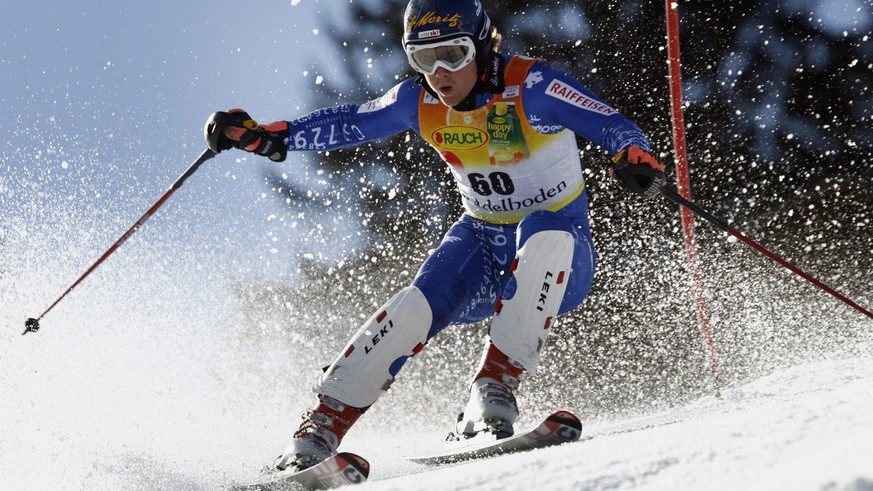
(453,87)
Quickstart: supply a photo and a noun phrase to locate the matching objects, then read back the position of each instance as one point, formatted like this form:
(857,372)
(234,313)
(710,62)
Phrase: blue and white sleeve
(556,98)
(349,125)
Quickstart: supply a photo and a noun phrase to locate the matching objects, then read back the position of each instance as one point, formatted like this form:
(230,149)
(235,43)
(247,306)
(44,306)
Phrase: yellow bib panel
(503,167)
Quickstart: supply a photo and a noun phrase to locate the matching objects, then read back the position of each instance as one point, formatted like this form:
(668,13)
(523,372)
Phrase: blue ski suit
(516,164)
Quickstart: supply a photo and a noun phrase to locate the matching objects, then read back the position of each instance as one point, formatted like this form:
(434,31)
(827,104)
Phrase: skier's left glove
(236,129)
(639,170)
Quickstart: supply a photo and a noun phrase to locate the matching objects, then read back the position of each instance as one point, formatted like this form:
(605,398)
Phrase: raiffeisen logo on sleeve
(566,93)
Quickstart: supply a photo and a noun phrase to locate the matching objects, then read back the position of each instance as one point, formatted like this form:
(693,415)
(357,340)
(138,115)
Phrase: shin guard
(368,364)
(532,299)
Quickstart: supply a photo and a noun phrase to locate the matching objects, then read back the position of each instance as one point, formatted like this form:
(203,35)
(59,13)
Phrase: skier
(521,254)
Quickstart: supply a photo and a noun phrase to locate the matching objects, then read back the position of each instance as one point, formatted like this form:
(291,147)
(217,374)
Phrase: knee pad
(368,364)
(532,298)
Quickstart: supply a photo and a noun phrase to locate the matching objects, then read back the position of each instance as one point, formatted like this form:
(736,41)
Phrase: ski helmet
(430,21)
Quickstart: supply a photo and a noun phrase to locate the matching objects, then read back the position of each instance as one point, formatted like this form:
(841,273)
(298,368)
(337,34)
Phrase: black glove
(236,129)
(639,170)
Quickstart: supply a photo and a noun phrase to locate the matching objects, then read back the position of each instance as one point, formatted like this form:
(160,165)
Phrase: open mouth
(446,89)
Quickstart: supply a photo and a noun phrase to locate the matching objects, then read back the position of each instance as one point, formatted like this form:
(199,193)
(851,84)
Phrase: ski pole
(32,325)
(673,196)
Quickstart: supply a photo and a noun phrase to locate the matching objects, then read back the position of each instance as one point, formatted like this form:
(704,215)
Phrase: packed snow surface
(79,422)
(807,427)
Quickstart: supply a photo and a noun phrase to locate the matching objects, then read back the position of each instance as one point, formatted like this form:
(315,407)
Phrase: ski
(342,469)
(560,427)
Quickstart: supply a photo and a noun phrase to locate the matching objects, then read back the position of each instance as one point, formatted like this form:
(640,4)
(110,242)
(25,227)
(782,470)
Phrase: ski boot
(491,411)
(319,435)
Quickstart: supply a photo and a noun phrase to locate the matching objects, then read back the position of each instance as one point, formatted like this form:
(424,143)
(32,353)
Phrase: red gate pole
(684,185)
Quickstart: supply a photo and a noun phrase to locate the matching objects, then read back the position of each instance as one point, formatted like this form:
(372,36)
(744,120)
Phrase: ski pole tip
(30,325)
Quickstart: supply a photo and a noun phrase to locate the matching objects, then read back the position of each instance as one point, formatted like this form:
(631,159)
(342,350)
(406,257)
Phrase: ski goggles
(452,54)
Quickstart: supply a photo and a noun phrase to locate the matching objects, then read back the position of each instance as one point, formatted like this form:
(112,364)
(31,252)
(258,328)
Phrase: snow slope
(92,407)
(808,427)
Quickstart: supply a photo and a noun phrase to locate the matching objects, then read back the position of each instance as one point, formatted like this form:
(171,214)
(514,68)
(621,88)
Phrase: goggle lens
(451,55)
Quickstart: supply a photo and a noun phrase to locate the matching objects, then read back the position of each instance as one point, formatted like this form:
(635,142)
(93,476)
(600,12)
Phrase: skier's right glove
(639,170)
(236,129)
